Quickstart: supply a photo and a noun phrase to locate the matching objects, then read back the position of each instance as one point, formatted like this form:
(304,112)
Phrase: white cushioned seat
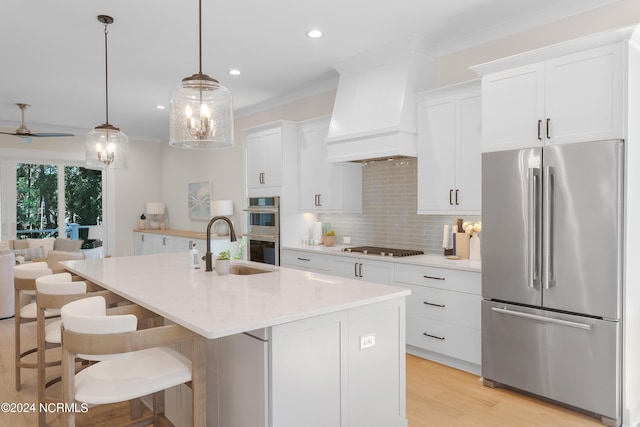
(53,333)
(24,280)
(131,362)
(140,373)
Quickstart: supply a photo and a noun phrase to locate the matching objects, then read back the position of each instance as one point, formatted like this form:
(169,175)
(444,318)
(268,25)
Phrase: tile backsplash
(389,209)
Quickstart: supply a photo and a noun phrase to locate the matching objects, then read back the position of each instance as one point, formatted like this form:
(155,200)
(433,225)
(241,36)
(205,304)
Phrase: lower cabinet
(443,314)
(307,261)
(146,243)
(363,269)
(340,369)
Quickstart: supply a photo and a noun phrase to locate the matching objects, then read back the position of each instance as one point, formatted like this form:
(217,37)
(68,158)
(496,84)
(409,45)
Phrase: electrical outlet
(367,341)
(346,240)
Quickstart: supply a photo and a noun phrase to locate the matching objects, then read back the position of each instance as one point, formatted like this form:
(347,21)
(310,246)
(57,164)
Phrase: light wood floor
(437,396)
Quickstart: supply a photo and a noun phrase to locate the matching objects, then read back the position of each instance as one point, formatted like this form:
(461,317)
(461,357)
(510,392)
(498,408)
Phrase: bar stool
(25,276)
(7,285)
(50,288)
(131,363)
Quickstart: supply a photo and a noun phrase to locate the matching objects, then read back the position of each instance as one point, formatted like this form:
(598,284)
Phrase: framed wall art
(199,200)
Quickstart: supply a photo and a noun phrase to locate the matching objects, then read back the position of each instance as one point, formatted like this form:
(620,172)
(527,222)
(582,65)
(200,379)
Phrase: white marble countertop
(216,306)
(429,260)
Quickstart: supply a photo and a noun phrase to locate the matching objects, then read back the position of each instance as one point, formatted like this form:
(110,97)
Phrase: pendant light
(201,110)
(106,145)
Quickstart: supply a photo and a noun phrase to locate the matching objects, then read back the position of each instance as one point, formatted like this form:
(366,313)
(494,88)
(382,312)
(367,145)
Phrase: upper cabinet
(449,147)
(264,147)
(325,187)
(576,97)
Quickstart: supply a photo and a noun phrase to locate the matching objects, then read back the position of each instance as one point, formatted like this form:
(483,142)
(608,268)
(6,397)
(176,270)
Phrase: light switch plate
(346,240)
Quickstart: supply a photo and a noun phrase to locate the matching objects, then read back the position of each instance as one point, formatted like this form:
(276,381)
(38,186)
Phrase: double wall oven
(263,229)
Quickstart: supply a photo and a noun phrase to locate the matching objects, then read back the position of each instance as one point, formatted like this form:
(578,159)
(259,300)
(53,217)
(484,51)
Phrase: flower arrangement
(472,229)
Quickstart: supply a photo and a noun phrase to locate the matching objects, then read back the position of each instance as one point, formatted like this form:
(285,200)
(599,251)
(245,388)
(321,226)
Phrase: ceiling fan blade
(24,132)
(49,134)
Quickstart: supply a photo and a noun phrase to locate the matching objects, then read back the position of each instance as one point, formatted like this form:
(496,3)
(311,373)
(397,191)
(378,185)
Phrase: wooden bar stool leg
(17,322)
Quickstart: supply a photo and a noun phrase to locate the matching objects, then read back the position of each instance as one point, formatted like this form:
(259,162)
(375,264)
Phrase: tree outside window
(37,201)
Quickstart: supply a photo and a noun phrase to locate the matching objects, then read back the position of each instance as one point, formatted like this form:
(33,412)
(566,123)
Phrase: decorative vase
(223,266)
(328,240)
(474,248)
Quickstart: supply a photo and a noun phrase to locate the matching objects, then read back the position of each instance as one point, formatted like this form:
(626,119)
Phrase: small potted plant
(329,238)
(223,263)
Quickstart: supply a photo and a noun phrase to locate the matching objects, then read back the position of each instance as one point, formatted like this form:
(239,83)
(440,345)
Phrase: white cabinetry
(149,243)
(243,381)
(325,187)
(443,314)
(264,148)
(307,261)
(320,369)
(363,269)
(449,147)
(577,97)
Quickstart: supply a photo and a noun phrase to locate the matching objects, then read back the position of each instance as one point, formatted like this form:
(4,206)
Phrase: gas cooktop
(375,250)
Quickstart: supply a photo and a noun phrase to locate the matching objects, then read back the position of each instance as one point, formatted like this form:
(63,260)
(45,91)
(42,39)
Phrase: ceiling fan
(24,132)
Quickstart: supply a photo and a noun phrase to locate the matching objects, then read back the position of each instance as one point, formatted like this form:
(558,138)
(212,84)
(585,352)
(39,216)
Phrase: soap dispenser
(194,256)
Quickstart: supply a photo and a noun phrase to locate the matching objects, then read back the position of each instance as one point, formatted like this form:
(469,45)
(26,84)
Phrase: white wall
(132,188)
(454,68)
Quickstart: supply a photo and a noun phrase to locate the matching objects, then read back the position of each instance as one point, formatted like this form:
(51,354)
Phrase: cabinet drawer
(306,261)
(444,338)
(458,308)
(442,278)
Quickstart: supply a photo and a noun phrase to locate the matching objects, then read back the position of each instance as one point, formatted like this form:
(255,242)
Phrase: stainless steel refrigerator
(552,234)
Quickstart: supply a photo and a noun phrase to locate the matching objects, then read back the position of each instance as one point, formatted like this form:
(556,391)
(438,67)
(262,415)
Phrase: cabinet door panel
(468,153)
(436,148)
(273,158)
(583,94)
(255,160)
(512,105)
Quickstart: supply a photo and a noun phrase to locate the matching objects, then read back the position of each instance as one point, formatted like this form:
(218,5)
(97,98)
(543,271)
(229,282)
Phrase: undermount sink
(244,270)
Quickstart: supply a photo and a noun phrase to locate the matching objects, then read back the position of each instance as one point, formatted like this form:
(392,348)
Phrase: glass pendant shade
(107,146)
(201,114)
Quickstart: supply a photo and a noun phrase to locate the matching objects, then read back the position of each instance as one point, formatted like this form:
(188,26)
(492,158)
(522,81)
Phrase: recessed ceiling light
(234,72)
(160,107)
(314,34)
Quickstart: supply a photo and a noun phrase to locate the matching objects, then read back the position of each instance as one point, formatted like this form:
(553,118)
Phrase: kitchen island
(330,353)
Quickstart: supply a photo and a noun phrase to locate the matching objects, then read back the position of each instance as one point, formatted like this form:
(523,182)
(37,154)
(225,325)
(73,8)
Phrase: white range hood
(374,115)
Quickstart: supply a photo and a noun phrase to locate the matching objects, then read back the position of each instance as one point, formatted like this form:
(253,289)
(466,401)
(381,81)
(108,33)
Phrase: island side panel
(377,365)
(346,369)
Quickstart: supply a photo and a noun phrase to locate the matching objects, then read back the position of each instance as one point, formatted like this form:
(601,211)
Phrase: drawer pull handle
(434,304)
(304,259)
(433,336)
(433,277)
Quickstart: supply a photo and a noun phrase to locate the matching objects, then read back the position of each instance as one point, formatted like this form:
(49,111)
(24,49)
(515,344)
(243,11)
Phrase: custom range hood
(374,115)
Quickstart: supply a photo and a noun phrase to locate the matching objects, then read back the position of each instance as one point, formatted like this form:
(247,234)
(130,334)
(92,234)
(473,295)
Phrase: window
(43,197)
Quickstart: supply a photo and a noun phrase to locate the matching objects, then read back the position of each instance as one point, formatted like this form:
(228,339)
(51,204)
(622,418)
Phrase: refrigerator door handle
(549,197)
(533,216)
(568,323)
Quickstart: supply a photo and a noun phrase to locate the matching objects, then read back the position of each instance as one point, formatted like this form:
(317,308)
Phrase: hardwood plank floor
(437,396)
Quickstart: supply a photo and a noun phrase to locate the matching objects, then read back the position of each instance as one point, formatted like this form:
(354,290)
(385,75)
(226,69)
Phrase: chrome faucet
(232,236)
